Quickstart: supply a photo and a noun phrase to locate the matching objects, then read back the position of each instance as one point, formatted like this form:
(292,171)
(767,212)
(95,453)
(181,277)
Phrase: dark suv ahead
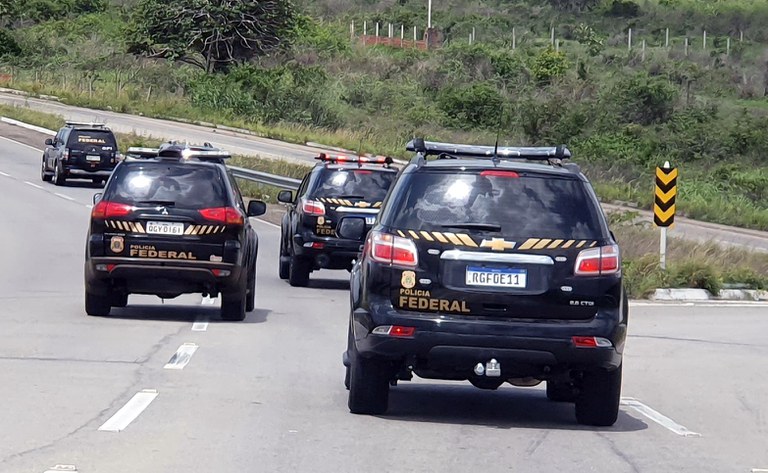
(172,221)
(80,151)
(490,265)
(339,187)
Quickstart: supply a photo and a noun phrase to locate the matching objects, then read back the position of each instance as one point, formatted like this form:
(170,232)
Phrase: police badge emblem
(117,244)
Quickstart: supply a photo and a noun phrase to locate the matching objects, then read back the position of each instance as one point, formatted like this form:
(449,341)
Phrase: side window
(236,189)
(60,136)
(302,188)
(65,136)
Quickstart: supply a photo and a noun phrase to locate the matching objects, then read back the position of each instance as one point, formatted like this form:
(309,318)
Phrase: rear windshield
(361,184)
(183,186)
(522,206)
(91,137)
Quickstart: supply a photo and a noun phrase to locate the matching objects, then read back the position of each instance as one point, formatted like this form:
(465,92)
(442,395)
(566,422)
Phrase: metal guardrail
(265,178)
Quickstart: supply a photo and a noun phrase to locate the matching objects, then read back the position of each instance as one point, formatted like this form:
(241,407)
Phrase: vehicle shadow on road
(333,284)
(184,313)
(83,185)
(505,408)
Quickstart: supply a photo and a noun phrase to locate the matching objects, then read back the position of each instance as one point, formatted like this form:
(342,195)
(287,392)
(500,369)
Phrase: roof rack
(553,154)
(360,160)
(85,124)
(175,151)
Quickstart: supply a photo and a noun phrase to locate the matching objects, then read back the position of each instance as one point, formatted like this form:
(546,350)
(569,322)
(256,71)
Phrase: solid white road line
(658,417)
(4,174)
(130,411)
(33,184)
(60,468)
(759,470)
(181,358)
(22,144)
(63,196)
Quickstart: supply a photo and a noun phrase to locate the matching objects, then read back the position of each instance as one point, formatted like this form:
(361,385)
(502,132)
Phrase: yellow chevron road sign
(664,196)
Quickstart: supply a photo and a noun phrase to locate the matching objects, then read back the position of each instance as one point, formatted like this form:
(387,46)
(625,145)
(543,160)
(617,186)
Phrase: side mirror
(49,142)
(285,197)
(256,208)
(97,198)
(352,228)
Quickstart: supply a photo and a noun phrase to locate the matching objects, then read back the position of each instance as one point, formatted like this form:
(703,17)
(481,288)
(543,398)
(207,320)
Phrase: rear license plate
(370,220)
(165,228)
(496,277)
(93,158)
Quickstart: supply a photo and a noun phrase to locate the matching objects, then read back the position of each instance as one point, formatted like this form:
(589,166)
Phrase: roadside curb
(36,128)
(691,295)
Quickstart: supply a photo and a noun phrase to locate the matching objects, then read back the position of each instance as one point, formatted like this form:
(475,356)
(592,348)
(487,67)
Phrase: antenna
(498,133)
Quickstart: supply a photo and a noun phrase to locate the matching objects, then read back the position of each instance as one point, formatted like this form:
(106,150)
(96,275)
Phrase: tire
(98,180)
(284,261)
(233,306)
(368,384)
(44,174)
(97,305)
(58,179)
(598,400)
(298,271)
(560,392)
(250,299)
(347,375)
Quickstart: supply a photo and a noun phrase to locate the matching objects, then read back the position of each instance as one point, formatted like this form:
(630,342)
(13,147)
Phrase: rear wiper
(475,226)
(164,203)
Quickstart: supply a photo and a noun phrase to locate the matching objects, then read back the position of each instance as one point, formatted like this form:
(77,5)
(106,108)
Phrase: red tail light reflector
(499,173)
(395,331)
(312,207)
(226,215)
(106,209)
(598,261)
(391,249)
(591,342)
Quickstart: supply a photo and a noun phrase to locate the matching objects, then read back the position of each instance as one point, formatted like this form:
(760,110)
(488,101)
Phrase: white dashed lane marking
(181,358)
(200,326)
(658,417)
(33,185)
(4,174)
(130,411)
(63,196)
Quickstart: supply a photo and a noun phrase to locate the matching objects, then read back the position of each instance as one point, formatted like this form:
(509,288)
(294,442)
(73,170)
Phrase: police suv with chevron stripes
(488,264)
(337,188)
(171,221)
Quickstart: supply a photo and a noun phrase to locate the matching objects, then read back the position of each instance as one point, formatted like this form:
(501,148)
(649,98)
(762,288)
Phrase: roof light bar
(176,151)
(90,124)
(333,159)
(434,148)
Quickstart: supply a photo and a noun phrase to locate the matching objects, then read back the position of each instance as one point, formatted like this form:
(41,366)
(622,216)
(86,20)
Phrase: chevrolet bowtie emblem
(362,204)
(498,244)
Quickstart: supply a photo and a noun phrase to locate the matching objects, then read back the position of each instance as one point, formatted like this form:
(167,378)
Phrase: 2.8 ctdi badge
(408,279)
(117,244)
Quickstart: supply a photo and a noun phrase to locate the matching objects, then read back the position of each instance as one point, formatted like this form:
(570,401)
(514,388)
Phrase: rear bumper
(457,343)
(339,252)
(103,274)
(85,173)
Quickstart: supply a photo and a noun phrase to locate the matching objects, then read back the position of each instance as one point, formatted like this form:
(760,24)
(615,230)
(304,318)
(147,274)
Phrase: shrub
(549,64)
(476,105)
(644,100)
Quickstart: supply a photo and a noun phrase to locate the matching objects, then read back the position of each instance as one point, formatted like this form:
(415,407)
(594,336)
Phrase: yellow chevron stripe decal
(440,237)
(568,244)
(467,240)
(453,238)
(554,244)
(189,229)
(581,243)
(541,244)
(528,244)
(426,236)
(593,244)
(140,228)
(401,233)
(413,234)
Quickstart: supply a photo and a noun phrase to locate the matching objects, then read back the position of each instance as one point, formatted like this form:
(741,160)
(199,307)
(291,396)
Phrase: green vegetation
(294,74)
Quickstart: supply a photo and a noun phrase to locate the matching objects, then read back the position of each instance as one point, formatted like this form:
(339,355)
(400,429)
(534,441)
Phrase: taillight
(312,207)
(591,342)
(395,331)
(65,155)
(499,173)
(227,215)
(598,261)
(106,209)
(391,249)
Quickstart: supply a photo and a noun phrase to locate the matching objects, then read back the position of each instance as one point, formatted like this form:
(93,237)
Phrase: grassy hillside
(621,111)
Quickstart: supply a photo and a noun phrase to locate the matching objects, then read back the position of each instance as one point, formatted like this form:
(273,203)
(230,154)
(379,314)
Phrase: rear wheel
(58,177)
(560,392)
(44,174)
(298,271)
(368,384)
(250,300)
(119,300)
(233,306)
(284,261)
(598,400)
(96,304)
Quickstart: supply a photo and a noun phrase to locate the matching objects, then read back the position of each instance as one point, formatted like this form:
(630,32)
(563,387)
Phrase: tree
(211,34)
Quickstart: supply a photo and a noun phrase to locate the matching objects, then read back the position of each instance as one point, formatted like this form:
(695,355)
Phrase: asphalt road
(267,394)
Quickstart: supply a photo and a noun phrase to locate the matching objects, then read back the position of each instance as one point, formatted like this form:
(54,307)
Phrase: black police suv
(338,187)
(80,151)
(489,264)
(172,221)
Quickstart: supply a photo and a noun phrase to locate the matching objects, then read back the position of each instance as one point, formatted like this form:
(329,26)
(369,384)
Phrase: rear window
(184,186)
(522,206)
(354,183)
(91,137)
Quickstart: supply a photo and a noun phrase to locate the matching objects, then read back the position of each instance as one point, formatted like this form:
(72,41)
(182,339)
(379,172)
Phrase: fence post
(514,38)
(402,35)
(557,45)
(704,41)
(728,46)
(741,36)
(666,39)
(414,34)
(686,46)
(643,54)
(365,28)
(352,29)
(473,34)
(377,32)
(629,39)
(552,36)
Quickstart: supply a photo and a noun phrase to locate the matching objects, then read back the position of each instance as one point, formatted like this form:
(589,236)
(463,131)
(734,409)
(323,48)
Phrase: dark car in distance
(80,151)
